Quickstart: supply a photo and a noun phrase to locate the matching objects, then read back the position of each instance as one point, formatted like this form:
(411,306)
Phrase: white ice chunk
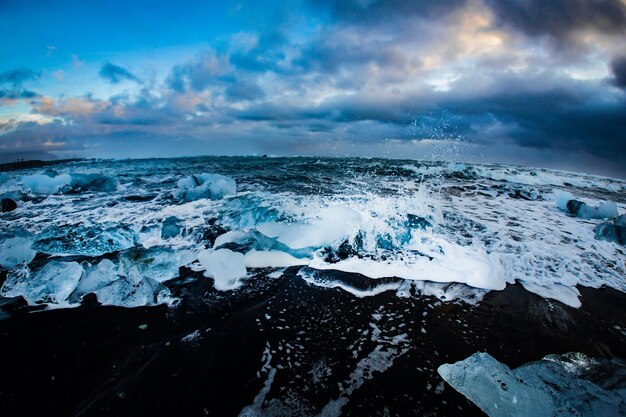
(561,198)
(16,250)
(160,264)
(558,385)
(212,186)
(51,284)
(224,266)
(43,184)
(126,293)
(97,277)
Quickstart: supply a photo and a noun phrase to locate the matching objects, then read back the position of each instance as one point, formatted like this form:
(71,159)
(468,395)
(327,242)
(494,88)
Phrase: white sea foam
(377,226)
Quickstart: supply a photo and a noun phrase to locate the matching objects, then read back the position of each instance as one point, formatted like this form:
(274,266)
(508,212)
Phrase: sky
(526,82)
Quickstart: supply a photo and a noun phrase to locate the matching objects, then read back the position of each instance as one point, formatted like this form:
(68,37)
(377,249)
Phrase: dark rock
(8,205)
(90,299)
(139,198)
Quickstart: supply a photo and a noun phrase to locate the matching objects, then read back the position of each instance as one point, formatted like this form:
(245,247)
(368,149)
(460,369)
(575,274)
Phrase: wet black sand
(110,361)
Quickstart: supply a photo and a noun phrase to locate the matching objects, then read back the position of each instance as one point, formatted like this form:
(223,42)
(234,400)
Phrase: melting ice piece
(67,183)
(16,250)
(212,186)
(51,284)
(170,227)
(224,266)
(157,263)
(126,293)
(94,278)
(43,184)
(566,202)
(112,289)
(613,231)
(91,182)
(557,385)
(82,239)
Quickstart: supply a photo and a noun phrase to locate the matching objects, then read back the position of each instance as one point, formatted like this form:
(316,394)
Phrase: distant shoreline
(35,163)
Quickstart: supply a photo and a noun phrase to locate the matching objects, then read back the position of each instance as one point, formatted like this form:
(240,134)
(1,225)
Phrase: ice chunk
(51,284)
(16,250)
(91,182)
(170,227)
(336,223)
(126,293)
(43,184)
(157,263)
(224,266)
(566,202)
(83,239)
(67,183)
(612,231)
(558,385)
(95,277)
(212,186)
(111,288)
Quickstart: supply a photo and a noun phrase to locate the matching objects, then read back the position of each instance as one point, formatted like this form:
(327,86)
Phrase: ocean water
(456,230)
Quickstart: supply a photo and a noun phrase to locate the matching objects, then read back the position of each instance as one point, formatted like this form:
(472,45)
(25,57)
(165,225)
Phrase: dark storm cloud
(559,18)
(380,11)
(618,68)
(243,90)
(557,119)
(17,76)
(114,73)
(34,137)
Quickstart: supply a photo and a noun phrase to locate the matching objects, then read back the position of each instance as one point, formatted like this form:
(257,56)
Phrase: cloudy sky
(530,82)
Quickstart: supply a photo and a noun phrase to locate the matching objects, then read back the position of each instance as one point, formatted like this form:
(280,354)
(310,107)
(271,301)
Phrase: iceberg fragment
(224,266)
(126,293)
(91,182)
(83,239)
(211,186)
(614,231)
(569,384)
(111,288)
(49,183)
(16,250)
(51,284)
(94,278)
(44,184)
(157,263)
(566,202)
(170,227)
